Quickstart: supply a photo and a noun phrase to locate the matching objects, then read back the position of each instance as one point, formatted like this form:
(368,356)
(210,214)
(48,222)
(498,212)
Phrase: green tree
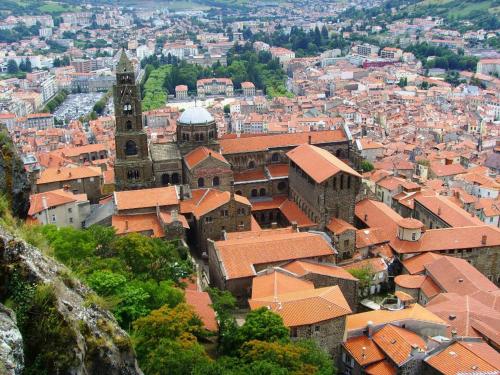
(366,166)
(12,67)
(364,275)
(264,325)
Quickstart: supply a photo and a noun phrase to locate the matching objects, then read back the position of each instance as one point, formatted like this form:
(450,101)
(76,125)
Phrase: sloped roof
(53,198)
(204,201)
(307,306)
(124,224)
(364,350)
(201,153)
(301,268)
(318,163)
(202,305)
(134,199)
(277,282)
(50,175)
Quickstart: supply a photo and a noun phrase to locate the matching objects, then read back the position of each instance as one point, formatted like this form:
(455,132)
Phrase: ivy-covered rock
(14,182)
(73,334)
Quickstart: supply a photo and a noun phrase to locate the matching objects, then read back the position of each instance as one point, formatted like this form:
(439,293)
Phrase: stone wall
(349,288)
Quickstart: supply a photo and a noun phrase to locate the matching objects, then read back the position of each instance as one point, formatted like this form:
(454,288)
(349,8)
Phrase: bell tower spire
(133,165)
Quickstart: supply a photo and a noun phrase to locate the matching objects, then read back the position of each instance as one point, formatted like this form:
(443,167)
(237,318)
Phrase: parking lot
(76,105)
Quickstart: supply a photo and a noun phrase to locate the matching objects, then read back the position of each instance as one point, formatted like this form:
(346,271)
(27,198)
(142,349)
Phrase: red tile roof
(277,282)
(295,307)
(204,201)
(146,198)
(302,268)
(202,305)
(363,350)
(461,357)
(318,163)
(381,368)
(50,175)
(266,142)
(201,153)
(238,256)
(339,226)
(53,198)
(124,224)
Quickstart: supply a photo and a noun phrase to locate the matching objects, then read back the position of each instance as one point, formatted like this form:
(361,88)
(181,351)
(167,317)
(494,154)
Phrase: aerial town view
(235,187)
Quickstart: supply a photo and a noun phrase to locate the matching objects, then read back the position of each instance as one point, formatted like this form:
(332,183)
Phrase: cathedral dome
(195,115)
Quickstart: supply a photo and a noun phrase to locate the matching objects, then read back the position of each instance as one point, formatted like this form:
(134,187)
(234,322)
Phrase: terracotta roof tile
(397,342)
(377,214)
(202,305)
(296,307)
(266,142)
(293,213)
(204,201)
(238,256)
(318,163)
(339,226)
(53,198)
(133,199)
(382,317)
(277,282)
(201,153)
(50,175)
(124,224)
(459,358)
(416,264)
(381,368)
(277,170)
(302,268)
(364,350)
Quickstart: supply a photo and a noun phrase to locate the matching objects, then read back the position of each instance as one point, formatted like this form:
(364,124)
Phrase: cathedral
(302,178)
(141,165)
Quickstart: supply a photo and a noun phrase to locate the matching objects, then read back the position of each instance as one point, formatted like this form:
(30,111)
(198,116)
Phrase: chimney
(366,218)
(309,141)
(294,226)
(231,189)
(274,225)
(484,237)
(175,216)
(453,334)
(369,329)
(58,170)
(181,192)
(126,225)
(223,235)
(66,187)
(414,350)
(439,211)
(44,203)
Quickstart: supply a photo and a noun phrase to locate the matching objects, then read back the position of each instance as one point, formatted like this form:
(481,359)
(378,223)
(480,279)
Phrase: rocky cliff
(14,182)
(94,343)
(11,343)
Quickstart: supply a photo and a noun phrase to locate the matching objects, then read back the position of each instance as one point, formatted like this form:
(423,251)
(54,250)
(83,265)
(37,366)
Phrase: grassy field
(459,8)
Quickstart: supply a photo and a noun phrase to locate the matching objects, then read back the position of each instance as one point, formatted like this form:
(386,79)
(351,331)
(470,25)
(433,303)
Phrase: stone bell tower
(133,165)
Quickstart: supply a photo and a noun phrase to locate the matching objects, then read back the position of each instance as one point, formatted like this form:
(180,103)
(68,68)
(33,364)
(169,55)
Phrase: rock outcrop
(100,346)
(14,182)
(11,343)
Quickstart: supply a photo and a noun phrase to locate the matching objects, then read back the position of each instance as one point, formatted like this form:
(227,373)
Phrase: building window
(254,193)
(281,185)
(275,157)
(293,331)
(70,210)
(224,213)
(129,125)
(348,182)
(133,174)
(201,182)
(53,218)
(175,178)
(316,328)
(130,148)
(127,109)
(413,236)
(216,181)
(262,192)
(208,219)
(341,181)
(251,164)
(71,220)
(334,185)
(238,192)
(165,179)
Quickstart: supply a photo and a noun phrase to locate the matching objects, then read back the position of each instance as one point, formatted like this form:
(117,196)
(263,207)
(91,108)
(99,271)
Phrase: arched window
(175,178)
(165,179)
(216,181)
(262,192)
(338,153)
(202,137)
(251,164)
(281,185)
(201,182)
(275,157)
(130,148)
(254,192)
(238,192)
(129,125)
(197,137)
(127,109)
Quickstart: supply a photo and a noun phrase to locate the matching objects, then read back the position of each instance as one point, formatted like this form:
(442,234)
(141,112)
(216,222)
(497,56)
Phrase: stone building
(236,260)
(79,180)
(207,168)
(323,186)
(212,213)
(133,164)
(287,296)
